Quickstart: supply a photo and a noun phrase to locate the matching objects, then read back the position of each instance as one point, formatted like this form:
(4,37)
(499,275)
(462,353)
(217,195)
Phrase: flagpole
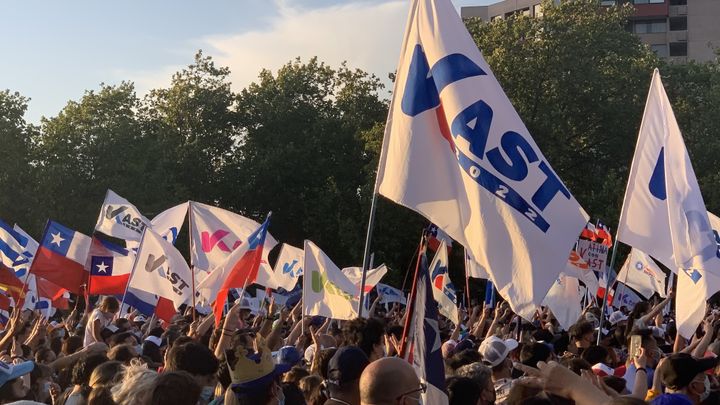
(132,272)
(192,267)
(410,307)
(368,239)
(467,280)
(607,287)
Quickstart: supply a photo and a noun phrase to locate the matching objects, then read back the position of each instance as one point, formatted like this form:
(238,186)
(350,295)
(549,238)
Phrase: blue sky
(53,51)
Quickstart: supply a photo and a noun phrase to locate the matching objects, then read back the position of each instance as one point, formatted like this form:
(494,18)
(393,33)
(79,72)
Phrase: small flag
(62,256)
(443,289)
(327,291)
(110,267)
(121,219)
(289,266)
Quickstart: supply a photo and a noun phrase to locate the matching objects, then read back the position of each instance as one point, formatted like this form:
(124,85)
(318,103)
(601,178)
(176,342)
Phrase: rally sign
(595,254)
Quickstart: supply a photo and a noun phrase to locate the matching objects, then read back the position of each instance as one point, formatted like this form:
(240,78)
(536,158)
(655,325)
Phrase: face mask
(207,393)
(61,333)
(281,398)
(138,350)
(705,393)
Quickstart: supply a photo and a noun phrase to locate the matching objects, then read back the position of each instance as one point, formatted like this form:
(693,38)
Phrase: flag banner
(327,291)
(456,151)
(58,296)
(436,236)
(641,273)
(564,301)
(426,354)
(289,266)
(30,250)
(663,212)
(266,277)
(160,269)
(61,257)
(603,234)
(119,218)
(622,295)
(166,224)
(354,274)
(390,294)
(473,269)
(589,232)
(143,301)
(578,268)
(10,283)
(239,270)
(593,253)
(12,246)
(489,295)
(443,289)
(216,232)
(109,266)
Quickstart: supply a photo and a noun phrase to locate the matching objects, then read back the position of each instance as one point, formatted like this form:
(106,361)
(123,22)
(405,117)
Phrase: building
(679,30)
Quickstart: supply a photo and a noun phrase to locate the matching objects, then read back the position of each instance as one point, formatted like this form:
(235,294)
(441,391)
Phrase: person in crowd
(99,319)
(344,371)
(15,381)
(685,379)
(495,354)
(175,388)
(200,362)
(390,381)
(368,335)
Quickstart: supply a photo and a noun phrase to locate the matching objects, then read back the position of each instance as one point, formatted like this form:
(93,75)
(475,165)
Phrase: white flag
(564,300)
(624,296)
(641,273)
(579,268)
(663,211)
(22,270)
(216,232)
(160,269)
(354,274)
(456,151)
(443,288)
(119,218)
(289,266)
(390,294)
(326,290)
(166,224)
(473,269)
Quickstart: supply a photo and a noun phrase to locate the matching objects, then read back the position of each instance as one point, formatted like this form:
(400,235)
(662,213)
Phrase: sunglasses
(422,389)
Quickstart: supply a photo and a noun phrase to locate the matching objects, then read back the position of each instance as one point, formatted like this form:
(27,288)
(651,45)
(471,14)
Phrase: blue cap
(9,372)
(287,355)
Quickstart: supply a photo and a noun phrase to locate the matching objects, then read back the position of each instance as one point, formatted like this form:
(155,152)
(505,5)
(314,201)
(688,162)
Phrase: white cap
(616,317)
(139,318)
(495,350)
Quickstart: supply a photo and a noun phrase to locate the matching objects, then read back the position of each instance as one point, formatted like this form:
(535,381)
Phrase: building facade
(679,30)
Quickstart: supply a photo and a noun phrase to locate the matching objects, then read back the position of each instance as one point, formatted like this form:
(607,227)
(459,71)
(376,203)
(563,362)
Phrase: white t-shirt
(89,332)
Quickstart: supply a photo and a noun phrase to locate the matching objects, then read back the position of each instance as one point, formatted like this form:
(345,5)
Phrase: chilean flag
(110,266)
(237,271)
(61,257)
(57,295)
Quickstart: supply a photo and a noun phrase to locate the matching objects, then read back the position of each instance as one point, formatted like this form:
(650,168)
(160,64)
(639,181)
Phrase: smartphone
(635,343)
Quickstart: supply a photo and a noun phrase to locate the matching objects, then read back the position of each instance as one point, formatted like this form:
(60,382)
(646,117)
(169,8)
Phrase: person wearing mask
(255,378)
(368,335)
(15,381)
(344,371)
(495,354)
(482,375)
(684,379)
(99,319)
(390,381)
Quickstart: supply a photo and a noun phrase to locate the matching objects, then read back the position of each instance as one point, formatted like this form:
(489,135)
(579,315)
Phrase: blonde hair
(136,385)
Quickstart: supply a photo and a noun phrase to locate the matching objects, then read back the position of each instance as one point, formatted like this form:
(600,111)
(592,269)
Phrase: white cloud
(368,36)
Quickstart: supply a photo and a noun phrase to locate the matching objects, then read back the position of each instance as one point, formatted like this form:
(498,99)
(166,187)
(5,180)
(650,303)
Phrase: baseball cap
(287,355)
(616,317)
(494,350)
(10,371)
(140,319)
(347,365)
(681,368)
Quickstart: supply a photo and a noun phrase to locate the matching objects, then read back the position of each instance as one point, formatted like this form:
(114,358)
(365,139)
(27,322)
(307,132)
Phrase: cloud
(366,35)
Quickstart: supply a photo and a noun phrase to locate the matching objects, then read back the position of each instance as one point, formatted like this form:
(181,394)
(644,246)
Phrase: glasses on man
(421,389)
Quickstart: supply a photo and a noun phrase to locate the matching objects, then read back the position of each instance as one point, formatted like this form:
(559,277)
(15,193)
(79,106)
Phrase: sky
(56,50)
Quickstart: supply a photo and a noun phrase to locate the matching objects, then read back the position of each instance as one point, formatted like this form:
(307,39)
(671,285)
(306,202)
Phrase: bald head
(386,379)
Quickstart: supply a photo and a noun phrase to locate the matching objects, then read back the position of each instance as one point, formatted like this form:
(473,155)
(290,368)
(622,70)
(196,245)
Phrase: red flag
(165,309)
(10,282)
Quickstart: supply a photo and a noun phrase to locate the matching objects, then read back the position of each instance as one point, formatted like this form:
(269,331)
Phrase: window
(650,26)
(678,23)
(537,10)
(678,2)
(525,11)
(607,2)
(678,48)
(661,50)
(648,1)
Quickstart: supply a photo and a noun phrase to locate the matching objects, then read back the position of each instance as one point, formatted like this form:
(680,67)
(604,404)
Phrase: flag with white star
(62,256)
(110,266)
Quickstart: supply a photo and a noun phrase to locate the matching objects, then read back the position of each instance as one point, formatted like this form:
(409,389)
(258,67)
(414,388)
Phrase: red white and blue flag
(436,236)
(239,270)
(62,256)
(426,355)
(12,245)
(110,266)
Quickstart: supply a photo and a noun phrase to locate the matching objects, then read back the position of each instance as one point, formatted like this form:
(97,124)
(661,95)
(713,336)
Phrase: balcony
(678,10)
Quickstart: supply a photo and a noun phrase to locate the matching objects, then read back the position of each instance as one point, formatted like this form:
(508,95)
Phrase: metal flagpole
(192,267)
(410,307)
(467,280)
(607,288)
(368,239)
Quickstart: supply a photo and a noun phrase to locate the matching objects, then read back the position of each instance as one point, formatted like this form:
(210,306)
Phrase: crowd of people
(277,356)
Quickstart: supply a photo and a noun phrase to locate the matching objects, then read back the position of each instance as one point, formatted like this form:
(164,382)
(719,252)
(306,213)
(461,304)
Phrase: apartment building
(679,30)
